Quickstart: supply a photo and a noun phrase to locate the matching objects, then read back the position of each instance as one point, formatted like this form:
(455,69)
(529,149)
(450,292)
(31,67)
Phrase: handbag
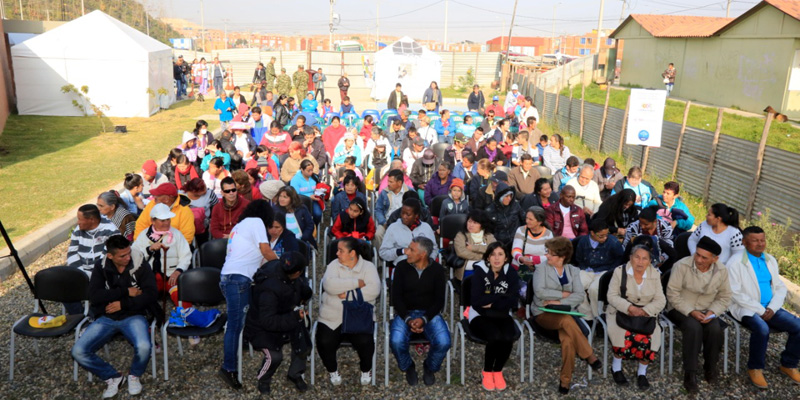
(641,325)
(430,106)
(666,80)
(452,260)
(357,313)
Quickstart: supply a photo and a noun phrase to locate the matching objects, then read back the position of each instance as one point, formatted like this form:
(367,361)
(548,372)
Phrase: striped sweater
(87,247)
(525,245)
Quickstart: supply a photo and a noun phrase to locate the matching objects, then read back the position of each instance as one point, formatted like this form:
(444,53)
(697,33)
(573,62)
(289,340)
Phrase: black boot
(411,375)
(712,376)
(619,378)
(299,383)
(263,386)
(230,378)
(690,382)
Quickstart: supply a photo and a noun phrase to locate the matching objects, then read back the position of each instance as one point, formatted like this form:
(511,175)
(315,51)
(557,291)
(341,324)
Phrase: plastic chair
(503,168)
(602,300)
(330,115)
(464,333)
(439,150)
(544,172)
(348,119)
(344,343)
(682,244)
(457,118)
(375,114)
(477,120)
(311,253)
(62,284)
(449,227)
(390,111)
(199,286)
(211,254)
(436,207)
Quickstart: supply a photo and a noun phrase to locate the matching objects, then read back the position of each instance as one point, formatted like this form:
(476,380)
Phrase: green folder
(550,310)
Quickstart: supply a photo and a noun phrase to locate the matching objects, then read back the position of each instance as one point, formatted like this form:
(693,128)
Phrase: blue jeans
(669,88)
(218,87)
(435,331)
(236,289)
(316,212)
(782,321)
(181,88)
(135,329)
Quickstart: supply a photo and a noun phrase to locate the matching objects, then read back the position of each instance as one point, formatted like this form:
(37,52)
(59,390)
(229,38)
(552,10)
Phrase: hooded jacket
(107,285)
(272,317)
(508,218)
(435,187)
(224,218)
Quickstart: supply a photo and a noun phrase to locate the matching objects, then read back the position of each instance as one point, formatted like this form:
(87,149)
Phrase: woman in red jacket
(355,222)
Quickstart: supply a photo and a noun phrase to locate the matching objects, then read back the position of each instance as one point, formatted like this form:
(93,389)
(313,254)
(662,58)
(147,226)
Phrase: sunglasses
(229,190)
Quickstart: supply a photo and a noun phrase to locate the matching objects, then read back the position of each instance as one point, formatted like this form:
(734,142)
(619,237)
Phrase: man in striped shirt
(87,245)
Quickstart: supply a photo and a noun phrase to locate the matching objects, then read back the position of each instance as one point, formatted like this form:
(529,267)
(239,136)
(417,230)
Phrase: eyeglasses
(229,190)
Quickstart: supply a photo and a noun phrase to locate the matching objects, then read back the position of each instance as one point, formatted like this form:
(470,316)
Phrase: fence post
(583,103)
(714,144)
(605,115)
(475,71)
(624,125)
(680,138)
(759,164)
(544,94)
(453,68)
(644,160)
(569,112)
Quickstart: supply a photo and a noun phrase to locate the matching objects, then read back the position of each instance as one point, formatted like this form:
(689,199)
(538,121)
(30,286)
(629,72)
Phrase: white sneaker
(194,340)
(113,387)
(134,385)
(366,378)
(336,379)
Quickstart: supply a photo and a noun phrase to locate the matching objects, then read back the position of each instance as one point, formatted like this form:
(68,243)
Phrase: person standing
(432,98)
(179,77)
(669,78)
(300,78)
(225,108)
(699,292)
(283,85)
(476,101)
(319,84)
(270,74)
(758,295)
(395,97)
(247,247)
(344,86)
(218,74)
(259,75)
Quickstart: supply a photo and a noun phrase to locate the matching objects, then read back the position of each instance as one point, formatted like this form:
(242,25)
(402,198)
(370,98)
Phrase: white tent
(409,63)
(117,63)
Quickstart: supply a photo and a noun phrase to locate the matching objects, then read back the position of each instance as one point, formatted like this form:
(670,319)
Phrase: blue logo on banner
(644,135)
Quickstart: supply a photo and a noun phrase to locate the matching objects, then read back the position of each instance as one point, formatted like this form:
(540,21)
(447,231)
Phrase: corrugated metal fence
(731,175)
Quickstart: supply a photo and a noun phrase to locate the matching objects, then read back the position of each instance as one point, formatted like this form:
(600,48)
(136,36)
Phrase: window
(589,40)
(583,41)
(609,42)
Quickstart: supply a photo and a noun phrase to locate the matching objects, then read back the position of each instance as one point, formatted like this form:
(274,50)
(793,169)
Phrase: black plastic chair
(602,301)
(61,284)
(211,254)
(199,286)
(439,150)
(682,244)
(449,227)
(436,205)
(463,331)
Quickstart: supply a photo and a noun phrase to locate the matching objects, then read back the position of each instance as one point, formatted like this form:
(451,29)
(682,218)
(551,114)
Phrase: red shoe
(499,381)
(488,381)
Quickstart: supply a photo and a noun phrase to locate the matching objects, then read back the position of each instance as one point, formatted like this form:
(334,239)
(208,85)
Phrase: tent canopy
(117,63)
(408,63)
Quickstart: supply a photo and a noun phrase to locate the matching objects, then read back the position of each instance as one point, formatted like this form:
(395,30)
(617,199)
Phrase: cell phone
(710,317)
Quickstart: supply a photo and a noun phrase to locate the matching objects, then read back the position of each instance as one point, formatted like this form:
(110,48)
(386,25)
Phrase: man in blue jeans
(418,294)
(121,291)
(758,295)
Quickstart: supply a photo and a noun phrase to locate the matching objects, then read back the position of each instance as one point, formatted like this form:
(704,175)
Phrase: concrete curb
(792,295)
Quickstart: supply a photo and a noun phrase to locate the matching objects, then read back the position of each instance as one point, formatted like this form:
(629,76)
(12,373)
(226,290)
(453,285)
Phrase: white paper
(646,117)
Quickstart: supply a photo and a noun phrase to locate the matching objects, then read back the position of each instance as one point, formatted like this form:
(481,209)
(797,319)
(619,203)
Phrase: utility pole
(225,24)
(511,28)
(553,34)
(147,19)
(21,12)
(83,11)
(446,11)
(202,25)
(599,27)
(330,24)
(502,37)
(622,13)
(728,9)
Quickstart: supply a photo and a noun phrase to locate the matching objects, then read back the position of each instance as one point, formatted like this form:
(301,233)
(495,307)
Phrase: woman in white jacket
(160,239)
(347,273)
(757,300)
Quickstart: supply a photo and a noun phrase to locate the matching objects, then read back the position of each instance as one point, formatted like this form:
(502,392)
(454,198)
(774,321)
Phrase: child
(355,222)
(326,107)
(543,142)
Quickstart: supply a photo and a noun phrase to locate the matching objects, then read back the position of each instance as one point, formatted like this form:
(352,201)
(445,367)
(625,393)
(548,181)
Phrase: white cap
(161,211)
(514,87)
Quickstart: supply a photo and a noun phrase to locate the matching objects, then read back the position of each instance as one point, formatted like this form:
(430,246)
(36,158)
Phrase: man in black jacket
(418,296)
(476,101)
(122,291)
(277,316)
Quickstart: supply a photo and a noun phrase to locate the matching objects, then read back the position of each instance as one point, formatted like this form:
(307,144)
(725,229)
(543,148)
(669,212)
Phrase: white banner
(646,117)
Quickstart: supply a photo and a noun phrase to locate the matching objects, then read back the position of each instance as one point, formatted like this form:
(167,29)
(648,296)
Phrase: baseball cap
(428,157)
(165,188)
(161,211)
(460,137)
(419,141)
(495,98)
(496,177)
(150,167)
(514,87)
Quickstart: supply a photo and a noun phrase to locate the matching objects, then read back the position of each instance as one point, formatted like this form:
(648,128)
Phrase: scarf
(165,237)
(490,153)
(477,237)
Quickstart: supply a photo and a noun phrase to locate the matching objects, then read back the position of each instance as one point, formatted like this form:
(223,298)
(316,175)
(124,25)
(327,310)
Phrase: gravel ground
(49,375)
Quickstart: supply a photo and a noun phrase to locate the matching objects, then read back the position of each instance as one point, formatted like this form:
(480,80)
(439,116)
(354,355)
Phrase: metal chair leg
(11,351)
(165,351)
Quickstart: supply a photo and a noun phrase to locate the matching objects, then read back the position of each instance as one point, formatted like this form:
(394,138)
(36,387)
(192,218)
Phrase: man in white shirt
(587,193)
(757,300)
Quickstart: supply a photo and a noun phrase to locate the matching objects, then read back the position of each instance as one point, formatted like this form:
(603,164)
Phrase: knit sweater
(87,247)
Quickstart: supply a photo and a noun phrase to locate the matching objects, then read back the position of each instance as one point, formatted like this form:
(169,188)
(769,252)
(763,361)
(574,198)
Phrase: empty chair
(211,254)
(439,149)
(375,114)
(61,284)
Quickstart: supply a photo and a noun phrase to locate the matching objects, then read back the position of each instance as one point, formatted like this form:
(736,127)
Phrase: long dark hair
(199,125)
(490,249)
(479,216)
(615,203)
(728,215)
(260,209)
(560,141)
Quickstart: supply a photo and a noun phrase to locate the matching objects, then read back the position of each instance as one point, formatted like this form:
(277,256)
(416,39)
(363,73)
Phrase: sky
(474,20)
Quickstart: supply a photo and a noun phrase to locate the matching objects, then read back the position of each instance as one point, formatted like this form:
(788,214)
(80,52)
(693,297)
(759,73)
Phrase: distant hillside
(130,12)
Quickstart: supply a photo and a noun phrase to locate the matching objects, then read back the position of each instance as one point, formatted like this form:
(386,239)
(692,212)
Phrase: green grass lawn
(781,135)
(49,165)
(456,93)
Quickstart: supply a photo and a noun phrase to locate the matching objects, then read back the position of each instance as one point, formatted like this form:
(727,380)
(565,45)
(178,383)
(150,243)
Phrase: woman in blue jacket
(305,184)
(298,218)
(676,211)
(445,128)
